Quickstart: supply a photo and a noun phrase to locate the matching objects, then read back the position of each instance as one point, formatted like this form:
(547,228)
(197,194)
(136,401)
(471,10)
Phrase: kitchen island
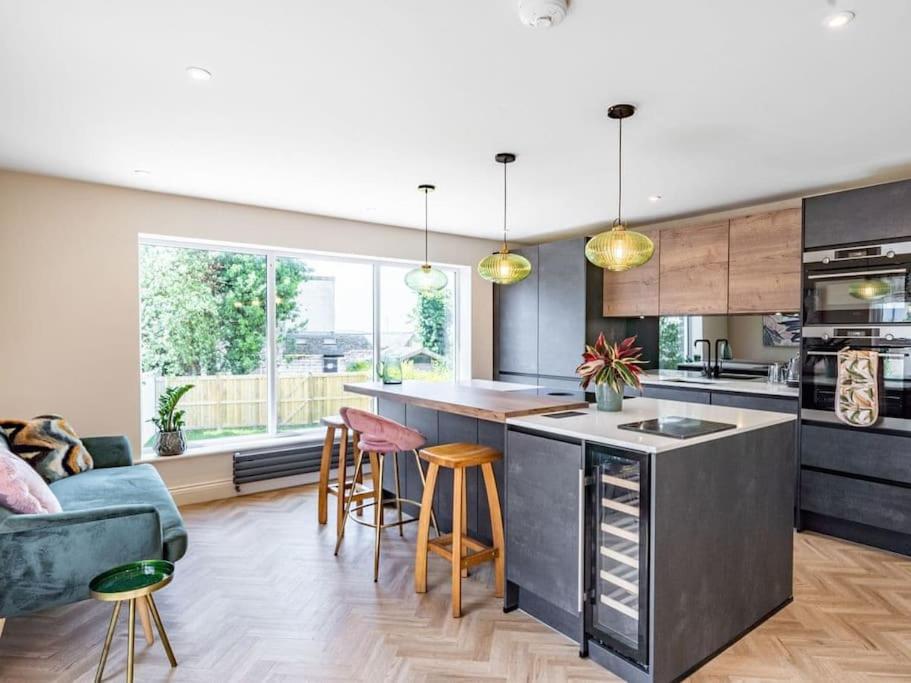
(652,553)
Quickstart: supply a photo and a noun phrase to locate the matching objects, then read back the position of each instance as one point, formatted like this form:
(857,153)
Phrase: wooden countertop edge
(467,411)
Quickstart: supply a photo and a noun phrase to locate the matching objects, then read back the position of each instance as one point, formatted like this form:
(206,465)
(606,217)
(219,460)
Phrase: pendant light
(619,249)
(503,267)
(426,279)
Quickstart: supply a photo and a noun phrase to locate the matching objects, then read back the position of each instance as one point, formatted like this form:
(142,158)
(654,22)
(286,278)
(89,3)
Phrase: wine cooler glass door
(619,613)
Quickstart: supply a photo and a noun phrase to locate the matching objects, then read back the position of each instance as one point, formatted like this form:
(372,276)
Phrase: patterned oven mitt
(857,390)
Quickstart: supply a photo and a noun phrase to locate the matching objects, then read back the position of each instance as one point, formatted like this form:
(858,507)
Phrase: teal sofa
(117,512)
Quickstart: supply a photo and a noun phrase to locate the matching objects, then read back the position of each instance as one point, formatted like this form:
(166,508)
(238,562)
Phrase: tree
(670,342)
(432,314)
(204,312)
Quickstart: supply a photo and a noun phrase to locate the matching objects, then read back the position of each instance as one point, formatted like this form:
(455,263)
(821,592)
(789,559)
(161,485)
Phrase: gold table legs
(131,644)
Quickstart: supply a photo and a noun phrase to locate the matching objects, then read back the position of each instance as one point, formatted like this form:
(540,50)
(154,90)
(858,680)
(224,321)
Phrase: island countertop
(603,427)
(493,401)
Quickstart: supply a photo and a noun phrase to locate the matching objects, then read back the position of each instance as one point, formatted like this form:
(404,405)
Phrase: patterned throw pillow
(49,445)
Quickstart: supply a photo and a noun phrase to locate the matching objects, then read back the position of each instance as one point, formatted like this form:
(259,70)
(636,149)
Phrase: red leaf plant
(613,364)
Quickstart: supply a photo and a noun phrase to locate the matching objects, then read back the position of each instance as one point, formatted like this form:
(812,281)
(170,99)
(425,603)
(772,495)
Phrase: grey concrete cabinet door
(881,212)
(517,321)
(561,306)
(542,517)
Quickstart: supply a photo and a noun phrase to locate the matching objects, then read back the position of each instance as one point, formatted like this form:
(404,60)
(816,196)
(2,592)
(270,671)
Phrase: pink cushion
(380,434)
(22,490)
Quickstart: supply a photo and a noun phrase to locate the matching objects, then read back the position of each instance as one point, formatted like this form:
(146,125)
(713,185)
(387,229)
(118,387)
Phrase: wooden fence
(239,401)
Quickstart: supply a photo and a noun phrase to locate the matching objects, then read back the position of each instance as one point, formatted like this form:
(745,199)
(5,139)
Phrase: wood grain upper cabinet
(693,269)
(633,292)
(764,272)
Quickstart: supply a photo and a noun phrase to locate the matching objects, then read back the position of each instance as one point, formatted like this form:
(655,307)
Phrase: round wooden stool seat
(332,421)
(455,455)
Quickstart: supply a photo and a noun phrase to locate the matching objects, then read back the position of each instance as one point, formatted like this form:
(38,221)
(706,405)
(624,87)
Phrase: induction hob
(677,427)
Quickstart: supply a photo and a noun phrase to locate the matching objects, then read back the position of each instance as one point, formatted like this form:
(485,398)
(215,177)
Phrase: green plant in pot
(170,439)
(611,367)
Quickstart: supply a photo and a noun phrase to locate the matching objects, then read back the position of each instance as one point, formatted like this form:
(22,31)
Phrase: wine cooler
(617,557)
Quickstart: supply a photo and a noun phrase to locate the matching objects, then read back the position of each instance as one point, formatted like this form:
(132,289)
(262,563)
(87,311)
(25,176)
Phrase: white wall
(69,286)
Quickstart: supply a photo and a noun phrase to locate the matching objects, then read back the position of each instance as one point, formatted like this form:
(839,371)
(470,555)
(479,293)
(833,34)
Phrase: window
(205,320)
(676,336)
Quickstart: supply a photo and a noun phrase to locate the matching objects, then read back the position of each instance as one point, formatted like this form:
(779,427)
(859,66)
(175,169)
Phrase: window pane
(418,329)
(672,346)
(203,322)
(324,338)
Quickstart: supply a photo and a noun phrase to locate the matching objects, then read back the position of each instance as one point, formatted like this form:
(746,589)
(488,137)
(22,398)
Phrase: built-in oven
(819,374)
(865,285)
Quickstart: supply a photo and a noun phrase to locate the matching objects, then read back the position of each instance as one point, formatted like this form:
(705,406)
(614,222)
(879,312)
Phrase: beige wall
(69,286)
(745,333)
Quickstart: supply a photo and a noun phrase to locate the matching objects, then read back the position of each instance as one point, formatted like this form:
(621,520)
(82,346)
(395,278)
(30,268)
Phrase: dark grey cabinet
(516,308)
(542,517)
(878,213)
(862,453)
(561,306)
(674,394)
(755,402)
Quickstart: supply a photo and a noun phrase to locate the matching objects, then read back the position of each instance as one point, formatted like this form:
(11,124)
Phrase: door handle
(858,273)
(581,558)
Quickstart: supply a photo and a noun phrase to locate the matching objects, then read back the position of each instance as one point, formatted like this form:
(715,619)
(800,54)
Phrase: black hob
(677,427)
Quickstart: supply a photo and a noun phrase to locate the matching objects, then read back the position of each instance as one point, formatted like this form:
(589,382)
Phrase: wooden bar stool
(349,487)
(457,457)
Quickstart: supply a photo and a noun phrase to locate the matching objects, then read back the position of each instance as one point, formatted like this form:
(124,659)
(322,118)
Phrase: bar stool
(379,437)
(458,457)
(347,487)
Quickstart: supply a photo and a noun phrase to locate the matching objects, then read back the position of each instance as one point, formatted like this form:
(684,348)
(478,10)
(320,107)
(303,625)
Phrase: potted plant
(611,367)
(170,439)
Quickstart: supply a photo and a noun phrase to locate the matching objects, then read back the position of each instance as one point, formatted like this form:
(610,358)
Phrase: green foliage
(204,312)
(432,316)
(169,418)
(670,342)
(359,366)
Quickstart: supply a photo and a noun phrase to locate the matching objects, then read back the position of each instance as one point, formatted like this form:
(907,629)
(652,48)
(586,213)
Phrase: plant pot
(170,443)
(608,400)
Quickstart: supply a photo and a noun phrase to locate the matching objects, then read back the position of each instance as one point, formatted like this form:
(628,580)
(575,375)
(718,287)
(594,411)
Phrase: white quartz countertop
(695,380)
(602,427)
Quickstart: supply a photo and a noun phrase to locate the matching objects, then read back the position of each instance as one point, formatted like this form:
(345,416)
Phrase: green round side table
(129,583)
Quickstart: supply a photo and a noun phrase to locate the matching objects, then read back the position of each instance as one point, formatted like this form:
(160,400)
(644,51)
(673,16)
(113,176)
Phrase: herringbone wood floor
(260,597)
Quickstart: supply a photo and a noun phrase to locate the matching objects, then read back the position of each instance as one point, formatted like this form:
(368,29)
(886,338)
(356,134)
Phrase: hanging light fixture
(870,290)
(618,248)
(426,279)
(503,267)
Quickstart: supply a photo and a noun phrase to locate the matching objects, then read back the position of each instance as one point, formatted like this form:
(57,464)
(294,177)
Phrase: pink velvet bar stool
(380,437)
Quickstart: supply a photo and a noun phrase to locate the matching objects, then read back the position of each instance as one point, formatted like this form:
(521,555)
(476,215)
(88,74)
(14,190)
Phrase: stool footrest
(442,547)
(360,490)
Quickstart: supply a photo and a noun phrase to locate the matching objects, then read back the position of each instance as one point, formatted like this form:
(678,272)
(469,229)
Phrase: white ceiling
(342,107)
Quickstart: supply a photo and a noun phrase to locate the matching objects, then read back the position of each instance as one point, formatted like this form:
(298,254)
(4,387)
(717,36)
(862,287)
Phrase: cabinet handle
(581,564)
(859,273)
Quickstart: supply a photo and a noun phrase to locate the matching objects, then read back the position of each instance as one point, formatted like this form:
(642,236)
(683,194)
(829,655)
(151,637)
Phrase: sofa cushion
(48,444)
(137,484)
(22,490)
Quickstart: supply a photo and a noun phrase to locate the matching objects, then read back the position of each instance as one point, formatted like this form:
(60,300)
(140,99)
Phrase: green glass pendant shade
(426,279)
(504,268)
(870,290)
(619,249)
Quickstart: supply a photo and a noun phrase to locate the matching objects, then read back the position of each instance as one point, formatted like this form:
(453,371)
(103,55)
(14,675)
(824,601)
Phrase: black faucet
(719,360)
(707,359)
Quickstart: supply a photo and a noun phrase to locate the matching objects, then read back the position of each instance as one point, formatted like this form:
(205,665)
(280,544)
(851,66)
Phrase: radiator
(277,462)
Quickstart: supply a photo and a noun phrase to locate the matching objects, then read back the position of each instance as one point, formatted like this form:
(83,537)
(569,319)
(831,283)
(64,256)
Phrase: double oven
(858,298)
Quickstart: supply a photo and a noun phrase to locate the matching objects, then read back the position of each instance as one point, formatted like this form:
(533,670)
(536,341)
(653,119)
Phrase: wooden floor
(260,597)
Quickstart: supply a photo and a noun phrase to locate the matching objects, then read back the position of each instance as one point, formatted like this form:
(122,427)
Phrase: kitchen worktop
(602,427)
(695,380)
(492,401)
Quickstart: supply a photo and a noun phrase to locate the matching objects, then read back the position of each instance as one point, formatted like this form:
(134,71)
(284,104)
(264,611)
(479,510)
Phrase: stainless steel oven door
(875,292)
(819,375)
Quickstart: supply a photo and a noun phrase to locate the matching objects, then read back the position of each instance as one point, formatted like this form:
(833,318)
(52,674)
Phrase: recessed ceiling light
(142,171)
(654,197)
(839,19)
(197,73)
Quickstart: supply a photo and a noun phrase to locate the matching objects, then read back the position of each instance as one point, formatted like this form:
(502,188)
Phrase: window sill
(238,445)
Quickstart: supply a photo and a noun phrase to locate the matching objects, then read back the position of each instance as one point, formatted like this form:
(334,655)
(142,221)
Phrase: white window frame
(461,318)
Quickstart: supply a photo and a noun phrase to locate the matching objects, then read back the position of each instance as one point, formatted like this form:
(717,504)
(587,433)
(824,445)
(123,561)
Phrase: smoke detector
(542,13)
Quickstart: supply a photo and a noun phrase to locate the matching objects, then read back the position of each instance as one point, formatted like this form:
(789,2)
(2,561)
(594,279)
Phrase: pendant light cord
(504,204)
(620,174)
(426,260)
